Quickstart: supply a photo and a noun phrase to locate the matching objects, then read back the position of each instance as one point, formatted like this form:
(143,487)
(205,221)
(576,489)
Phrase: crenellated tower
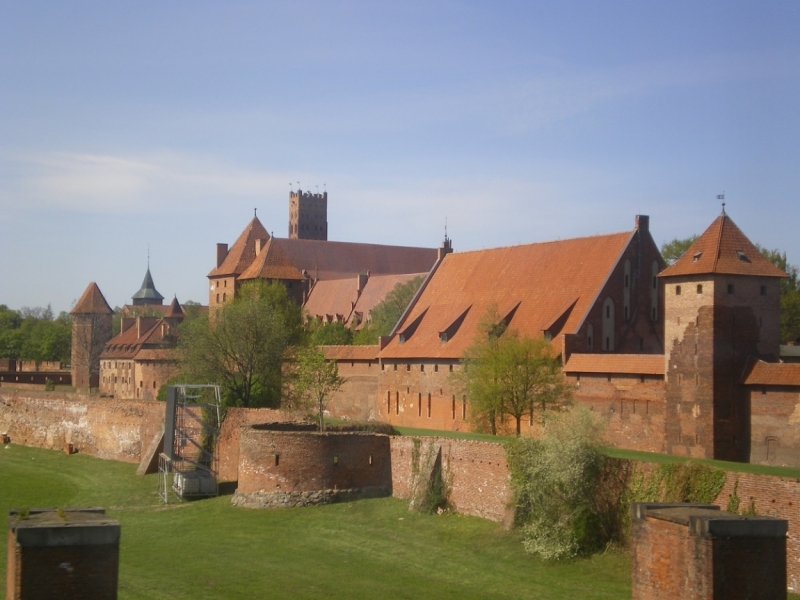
(308,216)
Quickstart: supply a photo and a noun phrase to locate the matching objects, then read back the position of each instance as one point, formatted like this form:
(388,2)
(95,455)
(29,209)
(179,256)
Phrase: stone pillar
(66,554)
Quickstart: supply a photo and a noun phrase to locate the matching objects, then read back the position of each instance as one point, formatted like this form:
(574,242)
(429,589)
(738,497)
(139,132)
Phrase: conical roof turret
(147,294)
(723,250)
(92,302)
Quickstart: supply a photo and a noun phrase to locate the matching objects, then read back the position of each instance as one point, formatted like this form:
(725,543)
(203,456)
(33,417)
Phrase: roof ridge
(556,241)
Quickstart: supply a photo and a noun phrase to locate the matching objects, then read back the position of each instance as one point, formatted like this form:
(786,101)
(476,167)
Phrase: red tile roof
(335,297)
(378,286)
(342,260)
(628,364)
(542,278)
(723,249)
(341,297)
(243,251)
(146,333)
(781,374)
(271,263)
(92,302)
(350,352)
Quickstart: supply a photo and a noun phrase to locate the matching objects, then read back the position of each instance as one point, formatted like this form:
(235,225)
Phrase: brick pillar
(67,555)
(697,552)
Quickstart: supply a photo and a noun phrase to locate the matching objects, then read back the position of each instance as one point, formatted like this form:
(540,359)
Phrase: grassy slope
(367,549)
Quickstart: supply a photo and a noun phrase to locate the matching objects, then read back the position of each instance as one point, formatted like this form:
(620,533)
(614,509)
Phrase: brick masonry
(100,427)
(699,552)
(73,555)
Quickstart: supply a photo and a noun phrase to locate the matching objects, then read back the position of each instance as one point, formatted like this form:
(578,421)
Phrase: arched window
(590,337)
(608,325)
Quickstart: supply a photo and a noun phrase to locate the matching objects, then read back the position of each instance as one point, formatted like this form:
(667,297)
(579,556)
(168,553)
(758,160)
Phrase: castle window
(429,406)
(408,367)
(154,385)
(463,408)
(451,368)
(370,459)
(677,290)
(590,337)
(419,405)
(730,288)
(388,402)
(608,324)
(225,283)
(699,288)
(395,366)
(436,368)
(422,367)
(224,296)
(763,290)
(277,460)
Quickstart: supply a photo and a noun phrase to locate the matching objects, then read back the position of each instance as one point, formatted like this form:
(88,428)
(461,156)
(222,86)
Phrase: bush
(559,504)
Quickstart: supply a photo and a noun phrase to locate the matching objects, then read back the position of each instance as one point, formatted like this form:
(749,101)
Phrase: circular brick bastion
(293,464)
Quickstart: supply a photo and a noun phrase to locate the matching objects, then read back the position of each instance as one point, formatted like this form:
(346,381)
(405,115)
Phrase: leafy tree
(790,294)
(673,250)
(316,380)
(562,504)
(385,315)
(506,375)
(331,334)
(241,345)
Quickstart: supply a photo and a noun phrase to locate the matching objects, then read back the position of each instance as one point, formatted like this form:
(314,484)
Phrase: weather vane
(722,197)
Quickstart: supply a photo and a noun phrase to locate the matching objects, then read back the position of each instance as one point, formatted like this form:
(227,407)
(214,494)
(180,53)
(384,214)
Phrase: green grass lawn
(367,549)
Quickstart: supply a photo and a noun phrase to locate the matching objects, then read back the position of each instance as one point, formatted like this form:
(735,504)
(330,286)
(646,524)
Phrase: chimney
(362,281)
(642,222)
(222,252)
(260,246)
(447,248)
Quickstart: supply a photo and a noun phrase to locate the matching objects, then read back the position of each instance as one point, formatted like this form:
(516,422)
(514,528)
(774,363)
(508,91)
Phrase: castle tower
(722,306)
(91,329)
(148,294)
(308,215)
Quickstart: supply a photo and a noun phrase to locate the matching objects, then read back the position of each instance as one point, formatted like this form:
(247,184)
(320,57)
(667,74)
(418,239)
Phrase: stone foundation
(264,499)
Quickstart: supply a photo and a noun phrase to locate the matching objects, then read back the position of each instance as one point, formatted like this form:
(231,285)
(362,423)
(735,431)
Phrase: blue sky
(128,124)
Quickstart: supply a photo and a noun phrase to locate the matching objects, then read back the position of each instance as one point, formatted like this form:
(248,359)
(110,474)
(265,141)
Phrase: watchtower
(91,329)
(308,215)
(722,307)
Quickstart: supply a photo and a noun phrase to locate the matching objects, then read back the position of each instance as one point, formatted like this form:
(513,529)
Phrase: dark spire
(147,294)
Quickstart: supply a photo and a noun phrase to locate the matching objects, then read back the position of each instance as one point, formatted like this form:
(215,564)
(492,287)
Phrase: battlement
(301,195)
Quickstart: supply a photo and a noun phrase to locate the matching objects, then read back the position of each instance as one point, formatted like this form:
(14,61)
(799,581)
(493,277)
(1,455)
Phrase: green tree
(506,375)
(673,250)
(385,315)
(790,294)
(330,334)
(241,345)
(316,381)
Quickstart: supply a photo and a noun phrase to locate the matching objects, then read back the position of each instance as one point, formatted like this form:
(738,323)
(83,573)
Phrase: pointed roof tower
(92,302)
(147,294)
(243,251)
(175,310)
(723,250)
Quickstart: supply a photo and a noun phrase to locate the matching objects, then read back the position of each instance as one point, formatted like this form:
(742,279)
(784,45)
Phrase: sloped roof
(350,352)
(377,288)
(539,279)
(243,251)
(341,297)
(335,297)
(154,334)
(148,290)
(629,364)
(175,311)
(92,302)
(271,263)
(723,250)
(781,374)
(342,260)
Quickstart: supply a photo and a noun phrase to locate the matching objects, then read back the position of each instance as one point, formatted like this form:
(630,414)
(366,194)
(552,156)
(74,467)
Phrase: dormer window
(742,256)
(697,256)
(443,337)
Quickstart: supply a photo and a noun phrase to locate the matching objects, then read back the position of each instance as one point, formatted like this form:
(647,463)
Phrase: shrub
(556,481)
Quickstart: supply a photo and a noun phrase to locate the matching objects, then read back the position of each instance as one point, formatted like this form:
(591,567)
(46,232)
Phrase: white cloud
(159,182)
